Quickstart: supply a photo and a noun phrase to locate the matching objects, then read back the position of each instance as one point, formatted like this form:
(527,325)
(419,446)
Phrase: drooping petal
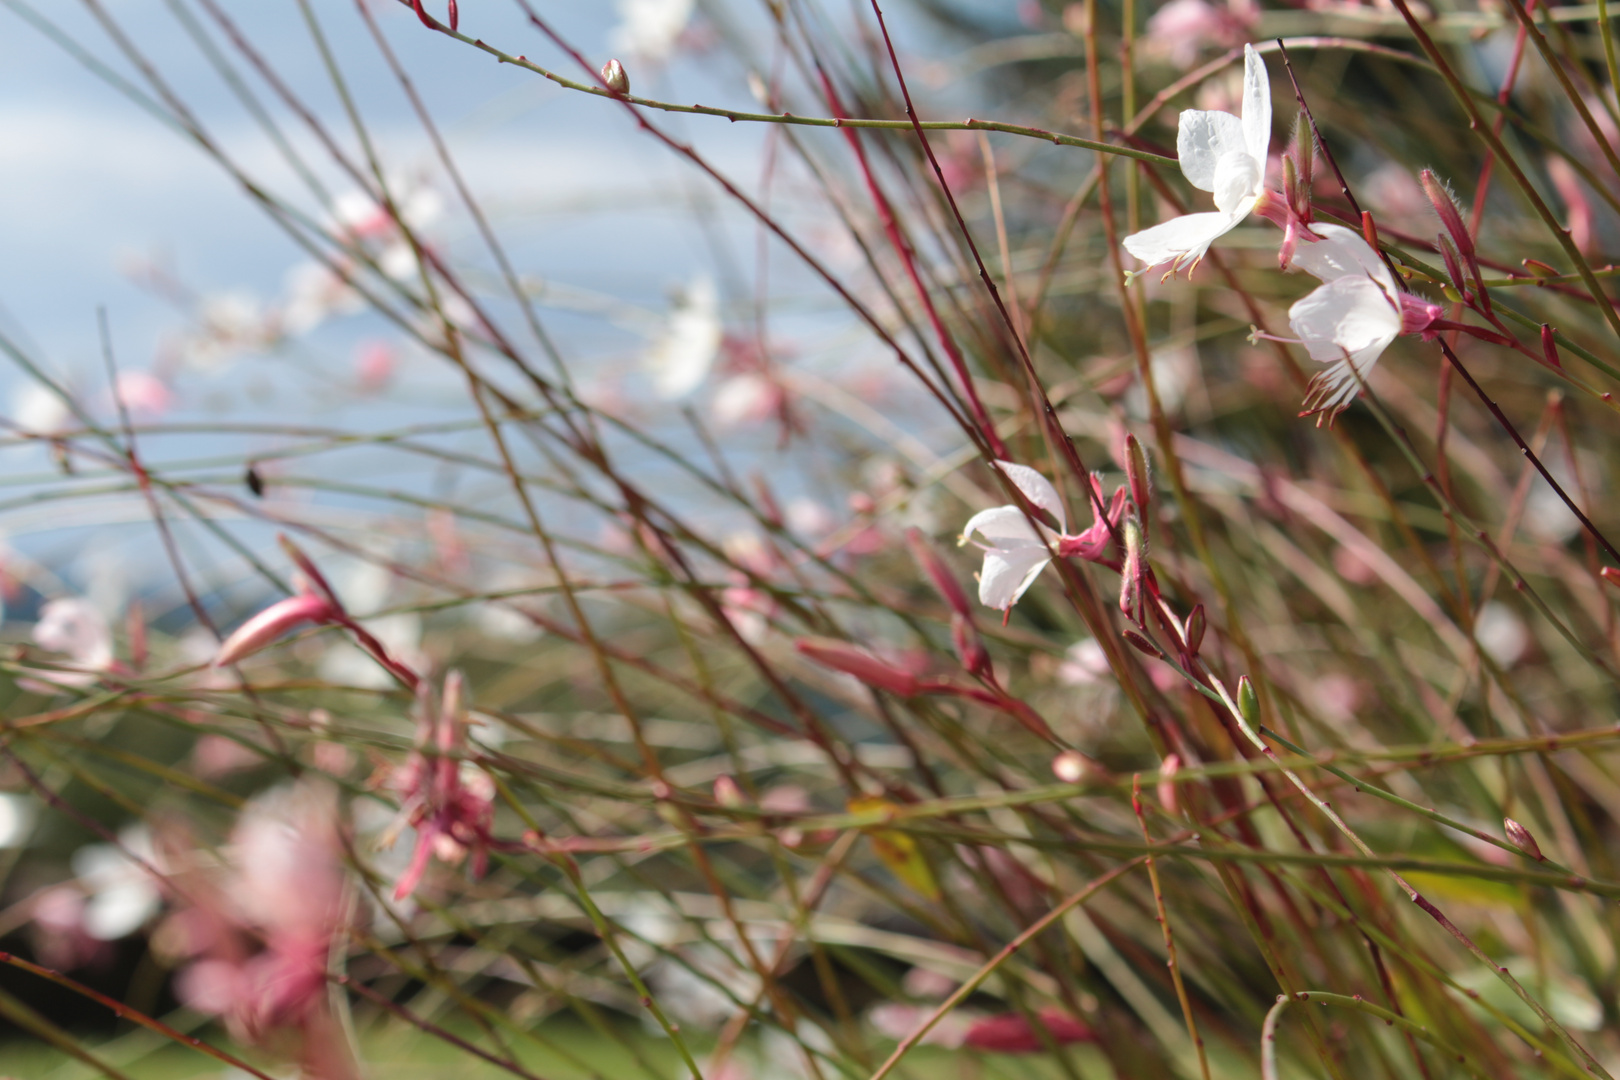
(1185,239)
(1256,105)
(1003,526)
(1202,139)
(1350,315)
(1037,489)
(1008,573)
(1339,253)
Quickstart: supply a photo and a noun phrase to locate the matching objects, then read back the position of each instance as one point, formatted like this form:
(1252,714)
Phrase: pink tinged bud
(728,794)
(1169,798)
(1418,316)
(1369,231)
(1611,575)
(271,623)
(614,77)
(1454,270)
(1196,623)
(1445,204)
(1139,473)
(1549,347)
(455,15)
(1520,837)
(969,646)
(950,590)
(1142,644)
(843,657)
(416,5)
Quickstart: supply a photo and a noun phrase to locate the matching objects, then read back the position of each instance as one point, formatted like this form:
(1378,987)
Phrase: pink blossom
(1179,29)
(450,803)
(260,940)
(1012,1033)
(374,364)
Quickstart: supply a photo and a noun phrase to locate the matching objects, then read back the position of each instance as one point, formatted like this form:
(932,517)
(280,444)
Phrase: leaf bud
(1248,701)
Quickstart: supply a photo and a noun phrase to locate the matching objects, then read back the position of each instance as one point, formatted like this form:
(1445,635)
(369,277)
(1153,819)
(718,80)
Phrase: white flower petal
(1351,315)
(1004,527)
(1008,573)
(1202,139)
(1256,106)
(1037,489)
(1186,238)
(1237,177)
(1341,252)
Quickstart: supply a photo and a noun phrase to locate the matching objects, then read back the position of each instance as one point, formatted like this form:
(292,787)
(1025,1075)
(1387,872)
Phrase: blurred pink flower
(1012,1033)
(897,1020)
(1179,29)
(374,364)
(450,803)
(144,394)
(259,941)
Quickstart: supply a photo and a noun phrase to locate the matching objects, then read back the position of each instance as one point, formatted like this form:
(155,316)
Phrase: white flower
(650,29)
(1349,321)
(1015,551)
(39,410)
(683,354)
(74,626)
(1222,154)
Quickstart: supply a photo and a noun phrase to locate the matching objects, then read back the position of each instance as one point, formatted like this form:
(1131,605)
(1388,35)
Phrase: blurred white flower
(1083,664)
(1501,633)
(748,398)
(16,820)
(74,626)
(650,29)
(39,410)
(121,893)
(226,324)
(364,218)
(681,357)
(1224,155)
(314,294)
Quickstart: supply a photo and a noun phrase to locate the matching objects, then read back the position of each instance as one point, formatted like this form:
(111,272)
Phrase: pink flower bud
(840,656)
(1520,837)
(950,590)
(1445,204)
(271,623)
(969,646)
(614,77)
(1549,347)
(1169,798)
(728,794)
